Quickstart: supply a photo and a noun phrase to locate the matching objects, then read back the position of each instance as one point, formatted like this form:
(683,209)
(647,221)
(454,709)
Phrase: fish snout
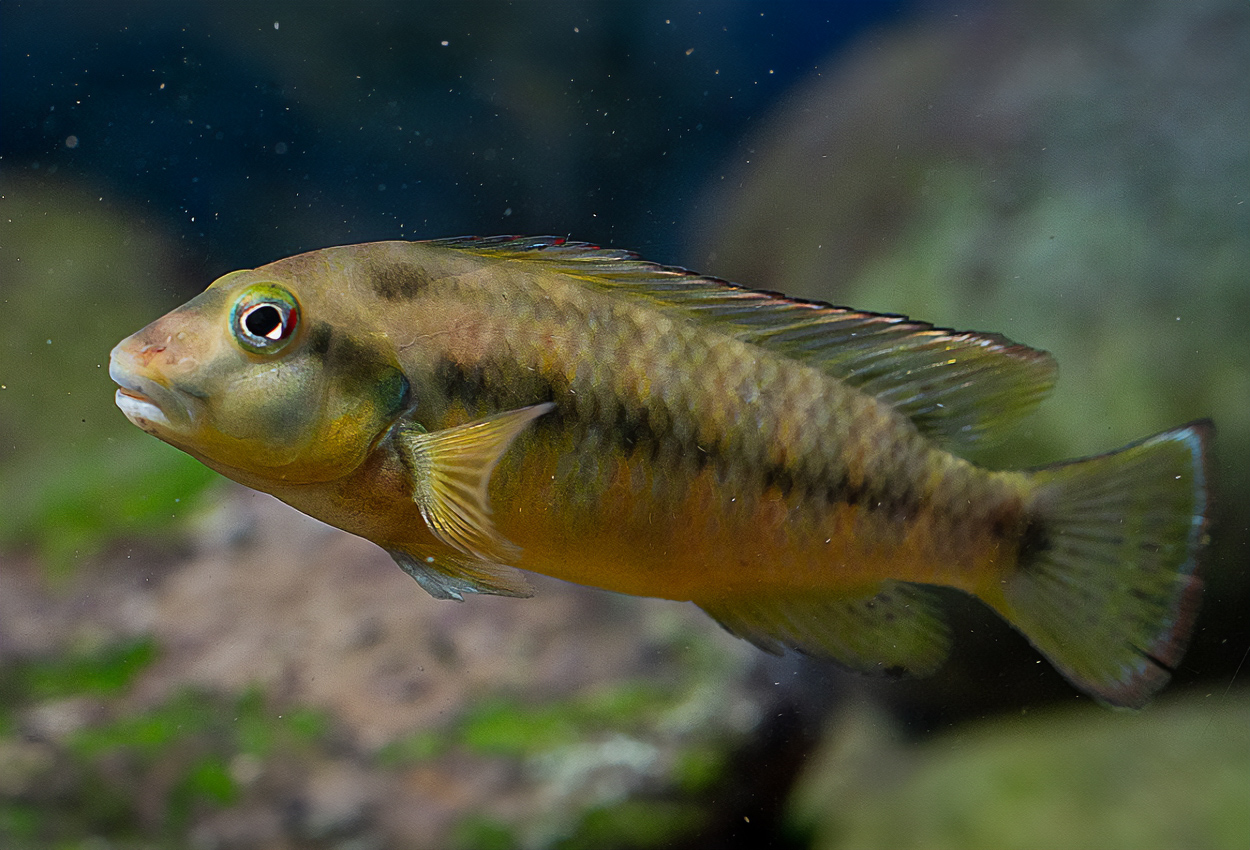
(144,396)
(146,352)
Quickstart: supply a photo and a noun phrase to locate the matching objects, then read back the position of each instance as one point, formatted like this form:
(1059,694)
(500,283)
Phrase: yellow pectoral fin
(451,472)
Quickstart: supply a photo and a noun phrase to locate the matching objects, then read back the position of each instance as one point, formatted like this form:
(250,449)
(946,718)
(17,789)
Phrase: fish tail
(1106,583)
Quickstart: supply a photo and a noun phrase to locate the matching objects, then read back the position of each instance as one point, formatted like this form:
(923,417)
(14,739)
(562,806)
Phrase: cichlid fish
(478,407)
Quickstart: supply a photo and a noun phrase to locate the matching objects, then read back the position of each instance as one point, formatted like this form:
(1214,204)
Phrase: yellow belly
(710,543)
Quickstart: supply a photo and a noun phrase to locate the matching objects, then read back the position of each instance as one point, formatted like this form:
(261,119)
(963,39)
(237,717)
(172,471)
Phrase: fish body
(481,407)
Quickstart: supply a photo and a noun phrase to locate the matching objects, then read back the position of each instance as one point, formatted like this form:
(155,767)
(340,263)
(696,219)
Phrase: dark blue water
(259,130)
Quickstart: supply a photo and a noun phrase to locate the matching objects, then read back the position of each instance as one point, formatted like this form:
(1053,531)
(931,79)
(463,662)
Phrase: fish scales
(790,442)
(481,407)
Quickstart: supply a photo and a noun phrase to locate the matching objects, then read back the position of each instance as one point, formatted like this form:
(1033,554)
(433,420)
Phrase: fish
(483,408)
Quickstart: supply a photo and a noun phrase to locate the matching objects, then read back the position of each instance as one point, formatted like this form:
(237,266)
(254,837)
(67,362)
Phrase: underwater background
(185,663)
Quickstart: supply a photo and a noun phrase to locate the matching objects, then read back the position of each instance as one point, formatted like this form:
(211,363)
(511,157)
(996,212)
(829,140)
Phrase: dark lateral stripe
(319,339)
(358,366)
(341,353)
(492,385)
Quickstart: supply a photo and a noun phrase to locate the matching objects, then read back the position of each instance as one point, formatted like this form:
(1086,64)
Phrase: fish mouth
(144,402)
(140,409)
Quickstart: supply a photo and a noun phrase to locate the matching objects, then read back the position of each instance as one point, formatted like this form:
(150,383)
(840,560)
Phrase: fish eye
(264,319)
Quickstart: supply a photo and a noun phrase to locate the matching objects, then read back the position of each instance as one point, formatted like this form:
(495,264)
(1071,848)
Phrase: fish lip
(146,403)
(141,410)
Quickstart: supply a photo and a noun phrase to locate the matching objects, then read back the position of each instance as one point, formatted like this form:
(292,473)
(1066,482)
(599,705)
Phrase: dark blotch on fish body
(398,282)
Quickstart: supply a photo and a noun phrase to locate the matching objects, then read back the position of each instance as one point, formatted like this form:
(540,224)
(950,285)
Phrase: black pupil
(263,320)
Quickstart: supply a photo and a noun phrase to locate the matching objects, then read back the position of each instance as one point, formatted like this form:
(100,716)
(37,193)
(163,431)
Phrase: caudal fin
(1106,585)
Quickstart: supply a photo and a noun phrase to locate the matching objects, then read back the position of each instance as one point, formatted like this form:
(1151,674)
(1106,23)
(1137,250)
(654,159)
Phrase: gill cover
(279,391)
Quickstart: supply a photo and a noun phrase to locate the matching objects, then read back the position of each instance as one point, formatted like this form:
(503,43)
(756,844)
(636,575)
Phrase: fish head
(254,378)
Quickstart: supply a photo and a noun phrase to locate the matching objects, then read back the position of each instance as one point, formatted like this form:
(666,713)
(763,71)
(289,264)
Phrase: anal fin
(891,628)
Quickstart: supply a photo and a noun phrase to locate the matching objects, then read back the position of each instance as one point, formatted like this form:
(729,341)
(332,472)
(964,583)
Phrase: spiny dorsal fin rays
(960,388)
(451,472)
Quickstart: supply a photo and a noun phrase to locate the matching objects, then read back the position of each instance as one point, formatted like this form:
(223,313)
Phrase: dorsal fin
(958,387)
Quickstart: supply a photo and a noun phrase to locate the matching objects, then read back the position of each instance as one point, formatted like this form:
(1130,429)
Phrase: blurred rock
(370,711)
(23,764)
(337,802)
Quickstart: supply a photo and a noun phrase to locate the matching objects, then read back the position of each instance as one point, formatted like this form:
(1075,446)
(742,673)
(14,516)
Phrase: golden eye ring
(264,319)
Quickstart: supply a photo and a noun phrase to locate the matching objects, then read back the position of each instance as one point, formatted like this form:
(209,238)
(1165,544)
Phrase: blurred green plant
(573,744)
(478,832)
(144,775)
(508,727)
(412,749)
(97,671)
(1176,775)
(700,767)
(78,276)
(242,726)
(636,823)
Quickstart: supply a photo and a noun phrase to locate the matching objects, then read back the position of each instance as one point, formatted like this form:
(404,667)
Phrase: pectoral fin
(892,628)
(451,472)
(448,576)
